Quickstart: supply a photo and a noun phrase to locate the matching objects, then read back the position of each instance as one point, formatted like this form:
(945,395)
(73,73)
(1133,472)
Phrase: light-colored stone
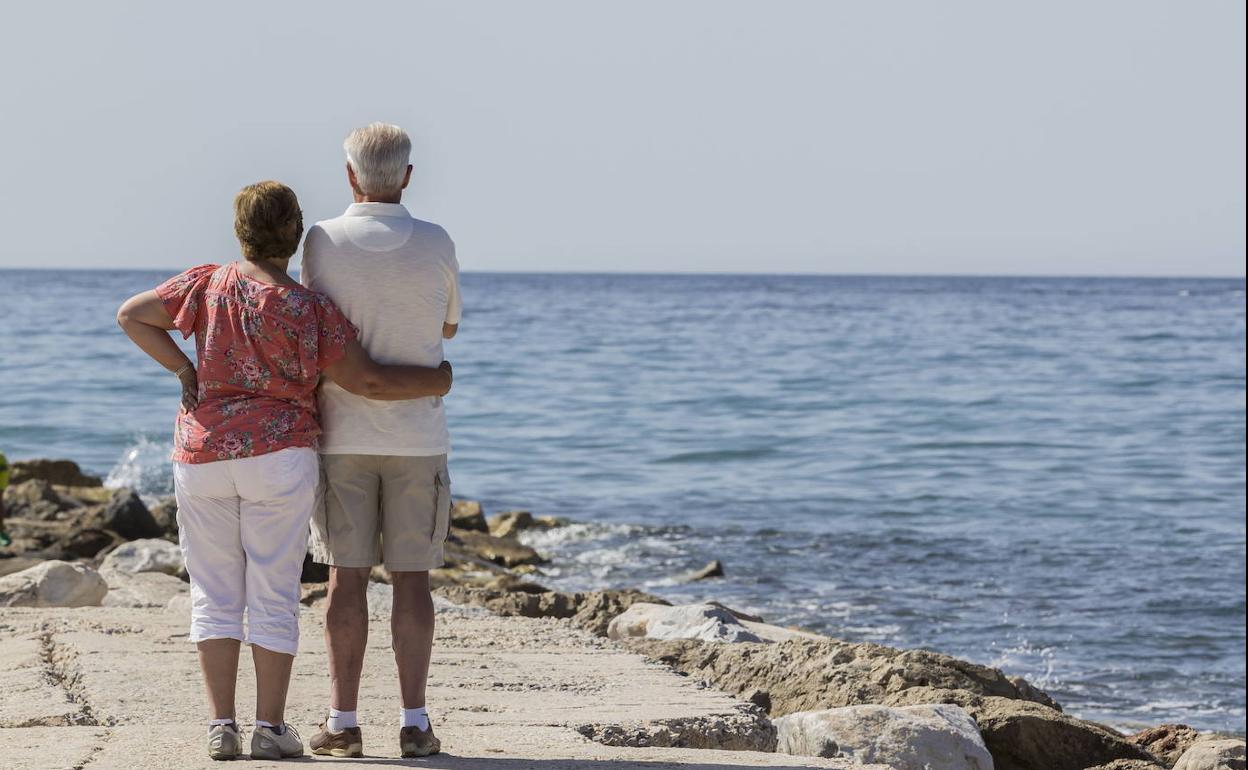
(53,584)
(937,737)
(147,555)
(703,622)
(1213,754)
(142,589)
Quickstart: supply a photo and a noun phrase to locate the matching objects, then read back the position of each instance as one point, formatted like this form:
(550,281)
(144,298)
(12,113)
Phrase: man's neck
(362,198)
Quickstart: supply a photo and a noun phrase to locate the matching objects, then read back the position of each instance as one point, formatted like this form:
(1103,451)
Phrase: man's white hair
(379,154)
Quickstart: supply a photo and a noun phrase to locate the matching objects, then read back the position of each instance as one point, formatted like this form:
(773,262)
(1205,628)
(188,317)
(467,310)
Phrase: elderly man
(387,492)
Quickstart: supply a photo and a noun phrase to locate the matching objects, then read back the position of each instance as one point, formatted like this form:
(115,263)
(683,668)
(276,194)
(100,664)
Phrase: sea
(1046,475)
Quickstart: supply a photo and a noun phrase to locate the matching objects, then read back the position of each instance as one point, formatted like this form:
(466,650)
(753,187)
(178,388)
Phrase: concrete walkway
(107,688)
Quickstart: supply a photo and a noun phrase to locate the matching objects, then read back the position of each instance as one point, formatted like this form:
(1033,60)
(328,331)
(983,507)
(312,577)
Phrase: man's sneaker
(415,742)
(268,743)
(347,742)
(225,741)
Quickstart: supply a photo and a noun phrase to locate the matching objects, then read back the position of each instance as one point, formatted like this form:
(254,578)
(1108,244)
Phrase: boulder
(1022,735)
(313,571)
(143,589)
(127,515)
(935,737)
(165,514)
(509,523)
(803,674)
(85,495)
(37,500)
(12,564)
(147,555)
(502,551)
(712,569)
(467,514)
(1213,754)
(1166,742)
(63,472)
(512,523)
(591,610)
(704,622)
(86,543)
(53,584)
(1129,764)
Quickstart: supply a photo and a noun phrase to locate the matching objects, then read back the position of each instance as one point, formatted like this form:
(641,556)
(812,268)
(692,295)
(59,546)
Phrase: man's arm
(448,330)
(358,373)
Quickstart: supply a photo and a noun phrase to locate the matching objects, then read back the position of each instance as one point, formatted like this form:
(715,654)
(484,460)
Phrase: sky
(858,136)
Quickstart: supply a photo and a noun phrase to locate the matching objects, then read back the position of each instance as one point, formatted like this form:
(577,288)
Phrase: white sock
(416,718)
(216,722)
(270,725)
(340,720)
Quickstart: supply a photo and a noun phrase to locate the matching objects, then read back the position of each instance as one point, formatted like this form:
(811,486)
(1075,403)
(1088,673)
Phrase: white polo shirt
(397,279)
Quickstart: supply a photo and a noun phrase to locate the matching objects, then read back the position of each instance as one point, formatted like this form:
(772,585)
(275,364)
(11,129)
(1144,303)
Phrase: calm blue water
(1044,475)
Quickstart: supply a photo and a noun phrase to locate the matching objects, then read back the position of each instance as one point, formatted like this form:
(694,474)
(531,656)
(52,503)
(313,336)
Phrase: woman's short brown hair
(267,221)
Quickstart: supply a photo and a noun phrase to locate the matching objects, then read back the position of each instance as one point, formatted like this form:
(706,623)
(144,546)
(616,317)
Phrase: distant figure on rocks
(388,495)
(245,464)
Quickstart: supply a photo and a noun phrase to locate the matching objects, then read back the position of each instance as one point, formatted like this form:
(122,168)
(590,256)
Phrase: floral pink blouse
(260,350)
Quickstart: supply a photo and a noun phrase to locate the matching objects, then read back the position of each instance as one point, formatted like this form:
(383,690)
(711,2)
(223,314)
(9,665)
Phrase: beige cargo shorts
(382,509)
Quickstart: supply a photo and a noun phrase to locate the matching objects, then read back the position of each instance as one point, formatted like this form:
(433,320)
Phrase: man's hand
(450,375)
(190,389)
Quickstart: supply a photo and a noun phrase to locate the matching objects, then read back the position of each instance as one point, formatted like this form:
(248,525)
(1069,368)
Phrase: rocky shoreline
(77,543)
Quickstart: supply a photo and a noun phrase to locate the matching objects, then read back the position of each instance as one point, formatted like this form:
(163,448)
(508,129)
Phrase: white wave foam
(144,467)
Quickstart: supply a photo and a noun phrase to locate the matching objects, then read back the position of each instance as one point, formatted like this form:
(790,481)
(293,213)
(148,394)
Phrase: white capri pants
(243,528)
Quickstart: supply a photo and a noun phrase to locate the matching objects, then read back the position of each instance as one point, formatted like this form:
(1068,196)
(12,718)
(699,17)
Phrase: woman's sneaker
(268,743)
(348,742)
(415,742)
(225,741)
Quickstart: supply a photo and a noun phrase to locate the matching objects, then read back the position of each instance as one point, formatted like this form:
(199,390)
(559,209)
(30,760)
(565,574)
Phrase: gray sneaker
(267,743)
(225,742)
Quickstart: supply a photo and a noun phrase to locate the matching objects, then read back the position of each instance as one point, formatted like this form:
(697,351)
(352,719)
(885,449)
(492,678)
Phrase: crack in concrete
(60,672)
(95,750)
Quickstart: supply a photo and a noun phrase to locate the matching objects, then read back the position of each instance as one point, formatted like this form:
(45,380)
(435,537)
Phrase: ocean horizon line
(720,274)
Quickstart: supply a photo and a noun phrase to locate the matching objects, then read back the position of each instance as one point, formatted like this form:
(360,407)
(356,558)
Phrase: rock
(467,514)
(502,551)
(310,593)
(85,495)
(86,543)
(13,564)
(63,472)
(935,737)
(37,500)
(1166,742)
(509,523)
(1022,735)
(127,515)
(147,555)
(53,584)
(691,621)
(1129,764)
(760,698)
(143,589)
(713,569)
(804,674)
(746,730)
(591,610)
(1213,754)
(313,571)
(165,514)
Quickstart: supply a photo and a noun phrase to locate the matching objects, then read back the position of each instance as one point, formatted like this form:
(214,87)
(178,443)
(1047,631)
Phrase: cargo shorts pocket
(442,506)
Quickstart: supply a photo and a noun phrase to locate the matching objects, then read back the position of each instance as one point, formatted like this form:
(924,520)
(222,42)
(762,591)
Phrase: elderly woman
(245,463)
